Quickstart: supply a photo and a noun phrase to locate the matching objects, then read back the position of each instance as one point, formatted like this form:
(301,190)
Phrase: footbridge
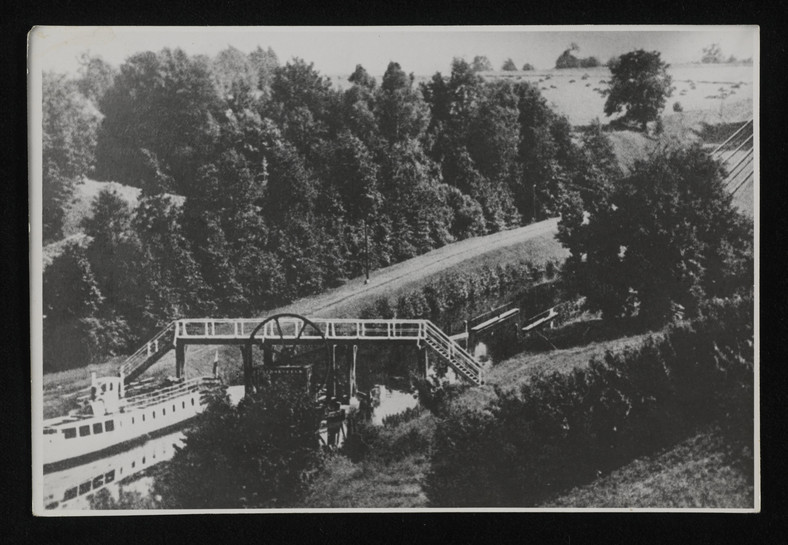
(293,330)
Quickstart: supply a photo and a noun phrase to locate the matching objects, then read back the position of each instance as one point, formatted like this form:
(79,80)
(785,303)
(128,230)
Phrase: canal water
(383,375)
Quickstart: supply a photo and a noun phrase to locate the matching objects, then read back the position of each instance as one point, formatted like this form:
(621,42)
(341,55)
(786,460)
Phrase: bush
(401,435)
(677,107)
(394,420)
(257,454)
(362,440)
(436,393)
(562,430)
(449,292)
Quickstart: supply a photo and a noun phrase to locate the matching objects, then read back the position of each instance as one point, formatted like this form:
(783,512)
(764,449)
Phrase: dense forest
(258,180)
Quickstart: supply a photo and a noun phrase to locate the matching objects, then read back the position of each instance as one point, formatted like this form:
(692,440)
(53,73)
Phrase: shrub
(562,430)
(677,107)
(256,454)
(449,292)
(360,442)
(436,393)
(394,420)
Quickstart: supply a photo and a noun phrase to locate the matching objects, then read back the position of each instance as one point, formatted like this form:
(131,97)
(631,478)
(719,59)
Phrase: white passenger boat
(111,418)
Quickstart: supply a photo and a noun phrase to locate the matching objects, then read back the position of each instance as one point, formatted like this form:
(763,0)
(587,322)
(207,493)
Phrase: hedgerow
(563,430)
(451,291)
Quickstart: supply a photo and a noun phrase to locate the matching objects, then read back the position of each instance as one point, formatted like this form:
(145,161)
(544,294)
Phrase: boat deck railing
(165,394)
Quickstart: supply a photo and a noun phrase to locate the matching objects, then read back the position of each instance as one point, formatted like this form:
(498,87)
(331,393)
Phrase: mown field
(577,93)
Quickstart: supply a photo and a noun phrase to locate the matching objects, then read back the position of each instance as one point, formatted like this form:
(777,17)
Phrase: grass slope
(84,193)
(695,473)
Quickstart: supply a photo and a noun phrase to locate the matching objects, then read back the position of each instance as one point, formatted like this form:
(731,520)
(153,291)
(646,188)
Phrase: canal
(383,376)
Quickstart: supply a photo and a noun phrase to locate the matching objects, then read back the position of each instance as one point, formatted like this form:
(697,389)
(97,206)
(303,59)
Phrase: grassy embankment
(701,471)
(392,474)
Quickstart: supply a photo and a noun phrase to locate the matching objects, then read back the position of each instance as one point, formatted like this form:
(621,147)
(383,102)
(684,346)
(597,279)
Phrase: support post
(268,356)
(366,252)
(246,356)
(180,359)
(352,377)
(332,388)
(424,361)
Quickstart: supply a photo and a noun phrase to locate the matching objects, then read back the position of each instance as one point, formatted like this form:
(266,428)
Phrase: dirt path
(413,270)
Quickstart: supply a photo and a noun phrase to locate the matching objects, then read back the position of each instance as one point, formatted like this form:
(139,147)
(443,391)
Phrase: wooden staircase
(452,353)
(149,353)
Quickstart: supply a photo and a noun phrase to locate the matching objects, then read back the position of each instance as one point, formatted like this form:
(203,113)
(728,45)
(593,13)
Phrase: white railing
(292,329)
(164,394)
(150,348)
(468,366)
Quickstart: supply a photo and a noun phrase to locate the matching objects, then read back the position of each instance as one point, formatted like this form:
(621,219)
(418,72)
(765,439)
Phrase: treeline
(563,430)
(568,60)
(279,176)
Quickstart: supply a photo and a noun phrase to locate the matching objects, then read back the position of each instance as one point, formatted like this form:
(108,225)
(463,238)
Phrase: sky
(421,50)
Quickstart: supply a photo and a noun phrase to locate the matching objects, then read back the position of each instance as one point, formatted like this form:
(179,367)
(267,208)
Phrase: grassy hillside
(79,209)
(695,473)
(84,194)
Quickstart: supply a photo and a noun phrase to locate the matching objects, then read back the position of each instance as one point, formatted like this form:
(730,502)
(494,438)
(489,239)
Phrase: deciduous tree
(257,454)
(508,65)
(663,238)
(162,107)
(481,64)
(69,142)
(639,86)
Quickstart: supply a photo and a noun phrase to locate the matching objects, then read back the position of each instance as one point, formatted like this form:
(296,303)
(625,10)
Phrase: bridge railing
(150,348)
(292,328)
(454,350)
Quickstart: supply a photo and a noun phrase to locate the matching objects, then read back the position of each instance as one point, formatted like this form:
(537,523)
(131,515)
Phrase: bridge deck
(292,329)
(295,330)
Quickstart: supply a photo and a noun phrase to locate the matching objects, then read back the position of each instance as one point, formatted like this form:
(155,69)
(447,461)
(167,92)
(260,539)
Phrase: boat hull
(76,441)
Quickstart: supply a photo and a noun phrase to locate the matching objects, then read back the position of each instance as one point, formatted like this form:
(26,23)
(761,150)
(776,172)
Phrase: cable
(740,129)
(735,171)
(732,153)
(750,175)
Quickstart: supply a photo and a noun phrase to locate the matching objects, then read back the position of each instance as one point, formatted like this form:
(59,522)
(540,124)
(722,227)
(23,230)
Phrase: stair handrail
(143,353)
(453,348)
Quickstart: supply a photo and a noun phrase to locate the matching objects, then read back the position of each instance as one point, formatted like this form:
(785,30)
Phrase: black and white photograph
(407,269)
